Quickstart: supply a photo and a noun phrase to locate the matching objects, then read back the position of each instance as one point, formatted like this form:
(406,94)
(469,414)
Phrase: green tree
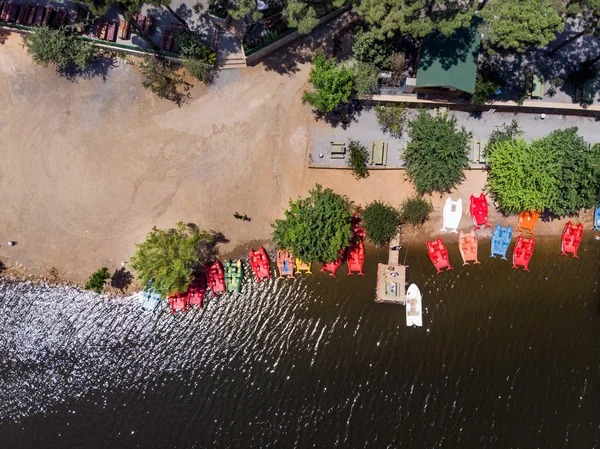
(366,78)
(370,49)
(578,173)
(97,280)
(522,24)
(170,257)
(437,152)
(523,177)
(381,222)
(304,14)
(486,85)
(507,132)
(415,210)
(333,85)
(199,70)
(239,9)
(415,17)
(316,227)
(165,83)
(358,159)
(193,47)
(62,48)
(391,118)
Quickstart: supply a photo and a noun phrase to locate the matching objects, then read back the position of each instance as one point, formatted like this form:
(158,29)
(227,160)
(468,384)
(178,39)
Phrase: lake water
(506,359)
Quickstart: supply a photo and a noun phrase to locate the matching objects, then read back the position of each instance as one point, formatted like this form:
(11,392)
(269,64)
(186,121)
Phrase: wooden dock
(391,278)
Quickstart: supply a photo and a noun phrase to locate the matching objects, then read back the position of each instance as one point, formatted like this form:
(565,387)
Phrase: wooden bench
(59,18)
(111,33)
(379,152)
(167,41)
(47,16)
(31,15)
(5,10)
(39,16)
(124,29)
(21,14)
(337,150)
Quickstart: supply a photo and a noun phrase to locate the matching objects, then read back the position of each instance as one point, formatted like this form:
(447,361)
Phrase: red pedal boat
(479,211)
(358,232)
(333,266)
(356,258)
(571,238)
(438,254)
(523,252)
(179,302)
(259,261)
(216,277)
(197,291)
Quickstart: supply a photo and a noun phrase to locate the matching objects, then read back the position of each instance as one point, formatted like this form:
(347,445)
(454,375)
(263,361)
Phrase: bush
(193,47)
(97,280)
(559,173)
(170,257)
(381,222)
(317,227)
(437,152)
(199,70)
(391,118)
(507,132)
(333,85)
(366,78)
(486,85)
(359,155)
(165,83)
(367,48)
(61,47)
(415,211)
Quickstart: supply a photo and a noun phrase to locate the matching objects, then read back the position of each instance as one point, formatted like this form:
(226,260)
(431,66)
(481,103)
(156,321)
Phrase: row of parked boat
(501,238)
(228,278)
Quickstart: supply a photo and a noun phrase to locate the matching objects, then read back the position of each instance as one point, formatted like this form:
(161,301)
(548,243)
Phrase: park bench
(536,86)
(337,150)
(47,16)
(39,16)
(379,152)
(124,29)
(5,9)
(111,34)
(59,18)
(21,14)
(31,15)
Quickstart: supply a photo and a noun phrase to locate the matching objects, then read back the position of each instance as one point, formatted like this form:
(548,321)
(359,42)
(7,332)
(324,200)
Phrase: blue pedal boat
(501,241)
(597,218)
(149,299)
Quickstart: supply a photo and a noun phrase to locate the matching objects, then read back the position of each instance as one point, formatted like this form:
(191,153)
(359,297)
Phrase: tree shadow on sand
(121,279)
(97,68)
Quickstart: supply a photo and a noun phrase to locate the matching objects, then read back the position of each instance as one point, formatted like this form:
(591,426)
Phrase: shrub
(316,227)
(97,280)
(199,70)
(333,85)
(486,85)
(359,155)
(366,78)
(415,210)
(61,47)
(170,257)
(193,47)
(437,152)
(367,48)
(381,222)
(507,132)
(165,83)
(391,118)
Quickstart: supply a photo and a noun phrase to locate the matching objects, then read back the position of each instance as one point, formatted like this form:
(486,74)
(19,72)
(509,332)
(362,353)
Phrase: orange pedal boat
(467,244)
(523,252)
(527,220)
(285,263)
(356,258)
(438,254)
(571,239)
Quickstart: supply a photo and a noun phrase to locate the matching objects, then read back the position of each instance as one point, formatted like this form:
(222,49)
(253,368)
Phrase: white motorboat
(452,215)
(414,310)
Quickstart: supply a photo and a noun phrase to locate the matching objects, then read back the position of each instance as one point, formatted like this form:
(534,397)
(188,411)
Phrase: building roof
(449,61)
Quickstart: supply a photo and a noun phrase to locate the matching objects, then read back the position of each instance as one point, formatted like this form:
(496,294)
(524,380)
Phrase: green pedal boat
(234,274)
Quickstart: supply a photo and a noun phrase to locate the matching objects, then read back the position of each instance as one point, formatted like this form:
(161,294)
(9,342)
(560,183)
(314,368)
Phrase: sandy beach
(89,166)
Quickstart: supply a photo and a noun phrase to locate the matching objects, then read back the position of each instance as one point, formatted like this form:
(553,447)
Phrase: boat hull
(259,261)
(597,218)
(467,245)
(285,263)
(303,267)
(234,275)
(414,306)
(523,252)
(216,277)
(501,241)
(356,258)
(197,292)
(479,211)
(438,254)
(451,215)
(571,239)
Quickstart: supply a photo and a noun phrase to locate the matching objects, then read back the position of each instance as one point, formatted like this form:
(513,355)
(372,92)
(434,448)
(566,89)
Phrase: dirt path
(90,166)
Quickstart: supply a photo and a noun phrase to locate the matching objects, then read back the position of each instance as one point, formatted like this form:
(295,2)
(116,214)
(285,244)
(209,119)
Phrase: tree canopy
(559,173)
(415,210)
(437,152)
(371,49)
(381,222)
(333,84)
(160,79)
(415,17)
(522,24)
(61,47)
(170,258)
(97,280)
(315,228)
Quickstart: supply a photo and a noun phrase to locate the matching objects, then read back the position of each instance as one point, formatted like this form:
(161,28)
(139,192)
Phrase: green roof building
(449,64)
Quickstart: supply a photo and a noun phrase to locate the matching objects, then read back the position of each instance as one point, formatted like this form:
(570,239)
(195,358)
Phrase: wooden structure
(379,153)
(337,150)
(391,278)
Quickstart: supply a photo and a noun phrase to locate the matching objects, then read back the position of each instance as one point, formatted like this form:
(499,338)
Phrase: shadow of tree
(3,36)
(343,116)
(98,68)
(448,51)
(121,279)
